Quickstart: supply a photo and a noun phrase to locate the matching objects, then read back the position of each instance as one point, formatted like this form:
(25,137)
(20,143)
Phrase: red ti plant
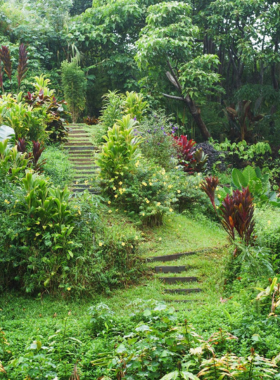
(22,64)
(209,186)
(37,152)
(6,58)
(1,76)
(186,151)
(21,146)
(237,212)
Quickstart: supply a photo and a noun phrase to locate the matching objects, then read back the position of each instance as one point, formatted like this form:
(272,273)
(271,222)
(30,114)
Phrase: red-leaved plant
(185,152)
(6,59)
(209,186)
(37,152)
(236,212)
(22,64)
(193,160)
(21,146)
(34,156)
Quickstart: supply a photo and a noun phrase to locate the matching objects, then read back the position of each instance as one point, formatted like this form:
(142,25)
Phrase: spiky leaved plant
(185,151)
(21,146)
(22,64)
(6,59)
(209,186)
(1,76)
(236,212)
(37,152)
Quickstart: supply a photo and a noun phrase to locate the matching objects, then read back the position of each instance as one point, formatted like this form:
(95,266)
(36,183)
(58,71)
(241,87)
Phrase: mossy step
(80,148)
(81,174)
(182,291)
(83,144)
(172,257)
(83,186)
(174,280)
(81,171)
(92,191)
(83,162)
(82,167)
(83,139)
(170,269)
(81,154)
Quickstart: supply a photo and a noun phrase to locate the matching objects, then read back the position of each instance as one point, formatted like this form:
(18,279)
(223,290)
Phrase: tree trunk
(273,70)
(194,110)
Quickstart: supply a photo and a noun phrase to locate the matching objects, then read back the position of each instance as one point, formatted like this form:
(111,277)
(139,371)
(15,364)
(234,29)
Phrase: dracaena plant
(37,152)
(236,212)
(209,186)
(6,59)
(22,146)
(22,64)
(191,159)
(185,151)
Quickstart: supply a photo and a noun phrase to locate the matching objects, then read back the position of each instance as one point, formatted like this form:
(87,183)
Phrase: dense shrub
(115,107)
(47,236)
(57,166)
(138,186)
(74,85)
(157,142)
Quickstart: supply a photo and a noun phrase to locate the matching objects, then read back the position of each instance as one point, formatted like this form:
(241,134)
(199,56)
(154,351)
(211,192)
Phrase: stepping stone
(170,269)
(180,301)
(81,160)
(174,280)
(80,148)
(92,191)
(81,167)
(81,154)
(182,291)
(84,186)
(87,172)
(78,144)
(175,256)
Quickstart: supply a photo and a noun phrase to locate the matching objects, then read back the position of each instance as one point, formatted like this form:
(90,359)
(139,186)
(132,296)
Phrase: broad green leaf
(238,179)
(249,174)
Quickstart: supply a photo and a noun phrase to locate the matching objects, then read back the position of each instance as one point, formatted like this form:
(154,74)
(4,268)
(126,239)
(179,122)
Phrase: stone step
(83,162)
(81,140)
(174,280)
(83,177)
(172,257)
(86,172)
(81,154)
(82,144)
(78,133)
(170,269)
(92,191)
(83,186)
(182,291)
(180,301)
(80,148)
(82,167)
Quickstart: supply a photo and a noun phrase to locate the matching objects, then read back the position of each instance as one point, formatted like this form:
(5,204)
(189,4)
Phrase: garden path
(81,156)
(180,280)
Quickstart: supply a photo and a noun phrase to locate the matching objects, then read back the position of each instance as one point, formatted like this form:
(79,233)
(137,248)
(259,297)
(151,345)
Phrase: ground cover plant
(145,245)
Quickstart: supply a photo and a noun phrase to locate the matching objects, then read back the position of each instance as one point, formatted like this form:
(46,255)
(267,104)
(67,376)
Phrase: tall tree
(168,44)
